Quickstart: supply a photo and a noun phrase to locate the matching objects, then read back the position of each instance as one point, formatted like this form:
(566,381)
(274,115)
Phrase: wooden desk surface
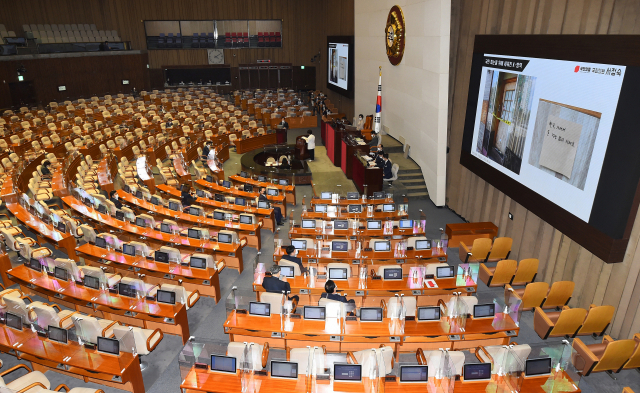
(362,233)
(235,192)
(178,240)
(34,280)
(144,263)
(347,202)
(267,214)
(205,380)
(247,180)
(408,286)
(395,215)
(255,142)
(305,255)
(197,221)
(249,325)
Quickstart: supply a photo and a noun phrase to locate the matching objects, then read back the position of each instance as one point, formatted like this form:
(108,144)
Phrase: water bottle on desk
(444,240)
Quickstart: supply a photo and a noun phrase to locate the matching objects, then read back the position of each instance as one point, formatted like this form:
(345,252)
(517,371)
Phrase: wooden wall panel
(83,76)
(560,257)
(305,26)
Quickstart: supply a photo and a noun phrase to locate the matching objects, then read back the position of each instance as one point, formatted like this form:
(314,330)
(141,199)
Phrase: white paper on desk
(430,283)
(367,158)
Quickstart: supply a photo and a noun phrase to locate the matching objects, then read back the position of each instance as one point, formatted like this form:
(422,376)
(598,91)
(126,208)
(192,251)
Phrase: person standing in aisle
(311,145)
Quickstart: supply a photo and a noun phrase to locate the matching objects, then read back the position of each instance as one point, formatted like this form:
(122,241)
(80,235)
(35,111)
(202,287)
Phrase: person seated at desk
(285,164)
(375,139)
(386,167)
(113,197)
(169,124)
(187,196)
(205,150)
(277,212)
(284,124)
(290,250)
(46,173)
(379,160)
(272,283)
(329,289)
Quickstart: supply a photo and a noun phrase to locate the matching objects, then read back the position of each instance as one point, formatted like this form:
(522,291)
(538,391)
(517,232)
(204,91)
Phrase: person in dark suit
(272,283)
(113,197)
(46,173)
(386,168)
(284,124)
(329,289)
(277,212)
(205,150)
(285,164)
(380,159)
(290,250)
(187,196)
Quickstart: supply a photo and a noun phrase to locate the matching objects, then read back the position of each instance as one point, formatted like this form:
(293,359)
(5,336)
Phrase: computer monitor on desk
(383,245)
(347,372)
(223,364)
(57,334)
(299,244)
(91,282)
(224,238)
(476,372)
(14,321)
(337,273)
(325,195)
(127,290)
(353,195)
(287,370)
(374,224)
(109,346)
(308,224)
(314,312)
(392,273)
(426,314)
(262,178)
(445,272)
(263,205)
(320,208)
(414,374)
(161,256)
(341,224)
(340,245)
(388,207)
(128,249)
(259,309)
(355,208)
(167,297)
(287,271)
(240,201)
(405,224)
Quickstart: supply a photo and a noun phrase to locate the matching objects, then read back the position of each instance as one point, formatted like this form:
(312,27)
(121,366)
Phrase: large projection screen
(553,122)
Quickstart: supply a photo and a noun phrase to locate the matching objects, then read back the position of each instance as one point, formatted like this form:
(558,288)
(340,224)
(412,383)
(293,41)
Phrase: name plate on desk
(313,261)
(455,337)
(232,254)
(394,339)
(400,261)
(318,237)
(353,237)
(511,333)
(276,335)
(206,282)
(335,338)
(471,289)
(355,262)
(359,293)
(304,291)
(442,259)
(416,292)
(321,277)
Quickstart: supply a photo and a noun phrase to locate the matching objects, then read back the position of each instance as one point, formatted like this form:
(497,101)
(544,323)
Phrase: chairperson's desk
(251,231)
(170,319)
(369,292)
(205,281)
(341,336)
(198,380)
(120,372)
(232,253)
(361,234)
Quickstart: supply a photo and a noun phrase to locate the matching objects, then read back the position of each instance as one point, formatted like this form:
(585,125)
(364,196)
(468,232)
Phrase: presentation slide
(339,65)
(546,124)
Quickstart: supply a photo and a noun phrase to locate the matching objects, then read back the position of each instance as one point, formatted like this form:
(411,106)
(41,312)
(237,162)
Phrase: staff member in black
(329,289)
(386,168)
(290,250)
(277,212)
(272,283)
(113,197)
(187,196)
(205,150)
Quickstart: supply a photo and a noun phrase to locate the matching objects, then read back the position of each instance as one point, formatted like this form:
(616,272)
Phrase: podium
(301,152)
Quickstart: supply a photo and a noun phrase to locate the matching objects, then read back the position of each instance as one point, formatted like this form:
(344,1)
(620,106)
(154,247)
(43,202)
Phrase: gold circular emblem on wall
(395,34)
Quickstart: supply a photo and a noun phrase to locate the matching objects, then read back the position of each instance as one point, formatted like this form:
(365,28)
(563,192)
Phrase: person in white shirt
(311,144)
(360,123)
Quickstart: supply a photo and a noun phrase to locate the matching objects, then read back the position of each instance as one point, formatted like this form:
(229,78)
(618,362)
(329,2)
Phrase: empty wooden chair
(597,320)
(532,295)
(500,275)
(500,249)
(610,356)
(559,294)
(558,323)
(634,360)
(526,272)
(478,252)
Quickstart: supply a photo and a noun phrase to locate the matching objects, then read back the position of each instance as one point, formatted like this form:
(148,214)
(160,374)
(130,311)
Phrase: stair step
(418,195)
(413,171)
(418,187)
(413,181)
(410,175)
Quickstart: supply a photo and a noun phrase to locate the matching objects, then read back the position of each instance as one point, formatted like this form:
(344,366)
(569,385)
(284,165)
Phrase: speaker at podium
(301,152)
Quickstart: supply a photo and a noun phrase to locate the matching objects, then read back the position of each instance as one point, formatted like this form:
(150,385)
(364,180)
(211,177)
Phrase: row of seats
(485,250)
(509,271)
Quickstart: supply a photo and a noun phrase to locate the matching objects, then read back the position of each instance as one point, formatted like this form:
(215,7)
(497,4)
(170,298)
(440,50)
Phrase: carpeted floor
(206,318)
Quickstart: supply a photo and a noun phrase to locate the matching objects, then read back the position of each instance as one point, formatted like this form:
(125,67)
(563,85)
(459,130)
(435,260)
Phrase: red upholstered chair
(260,39)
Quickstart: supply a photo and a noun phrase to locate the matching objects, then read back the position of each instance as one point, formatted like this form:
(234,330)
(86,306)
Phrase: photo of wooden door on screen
(506,108)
